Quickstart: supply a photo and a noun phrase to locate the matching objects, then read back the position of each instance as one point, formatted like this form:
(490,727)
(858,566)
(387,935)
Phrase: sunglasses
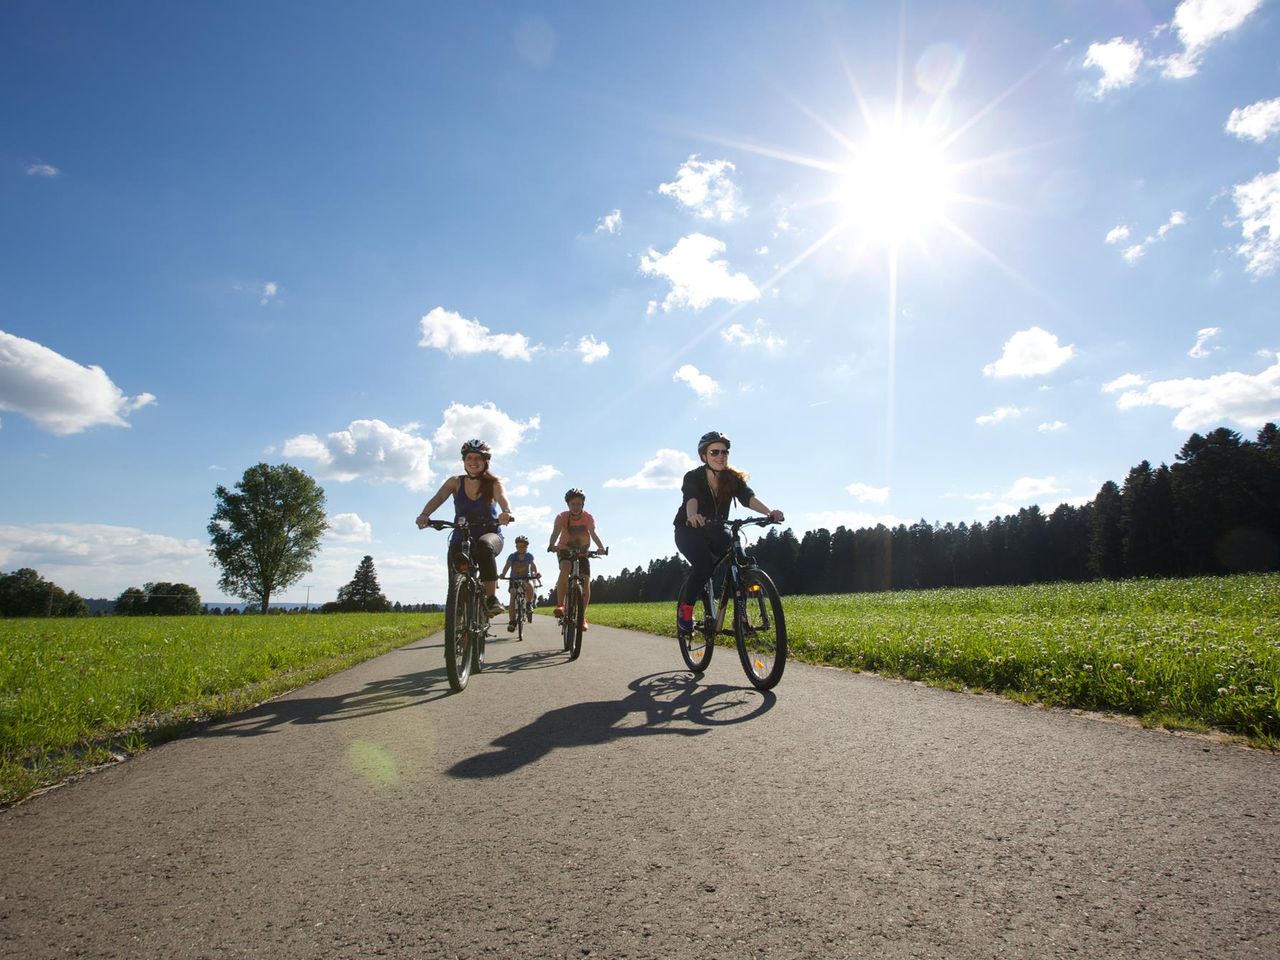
(717,453)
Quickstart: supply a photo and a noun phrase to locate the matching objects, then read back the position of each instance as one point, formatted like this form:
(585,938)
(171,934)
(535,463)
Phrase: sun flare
(897,186)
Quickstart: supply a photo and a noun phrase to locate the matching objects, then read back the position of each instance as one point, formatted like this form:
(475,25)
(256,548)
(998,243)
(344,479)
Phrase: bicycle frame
(466,627)
(575,589)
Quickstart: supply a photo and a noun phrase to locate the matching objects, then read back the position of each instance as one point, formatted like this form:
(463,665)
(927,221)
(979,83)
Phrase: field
(1190,654)
(75,693)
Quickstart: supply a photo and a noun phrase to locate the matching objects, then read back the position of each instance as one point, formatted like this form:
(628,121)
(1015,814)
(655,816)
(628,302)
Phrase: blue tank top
(478,512)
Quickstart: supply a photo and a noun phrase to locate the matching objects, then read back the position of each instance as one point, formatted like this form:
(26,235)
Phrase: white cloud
(484,422)
(1118,59)
(610,223)
(865,493)
(1052,427)
(700,383)
(758,336)
(1135,252)
(850,520)
(530,517)
(541,474)
(592,349)
(1030,353)
(99,560)
(268,292)
(998,415)
(1256,122)
(1024,492)
(1258,206)
(697,278)
(454,334)
(57,394)
(705,188)
(1249,400)
(1198,24)
(1203,336)
(1126,381)
(664,472)
(369,450)
(349,528)
(1117,233)
(42,170)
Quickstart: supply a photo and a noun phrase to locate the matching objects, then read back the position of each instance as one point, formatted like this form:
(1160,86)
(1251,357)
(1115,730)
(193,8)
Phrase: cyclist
(522,567)
(478,496)
(706,494)
(574,529)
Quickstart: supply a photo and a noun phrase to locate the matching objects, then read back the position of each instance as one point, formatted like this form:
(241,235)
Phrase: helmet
(710,437)
(574,492)
(476,446)
(522,539)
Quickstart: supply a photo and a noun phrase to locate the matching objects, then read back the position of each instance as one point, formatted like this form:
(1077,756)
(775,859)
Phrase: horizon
(931,262)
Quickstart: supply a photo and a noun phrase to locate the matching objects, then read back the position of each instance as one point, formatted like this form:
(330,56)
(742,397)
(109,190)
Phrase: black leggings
(702,547)
(484,548)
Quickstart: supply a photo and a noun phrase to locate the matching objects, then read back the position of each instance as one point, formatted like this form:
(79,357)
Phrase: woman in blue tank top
(478,496)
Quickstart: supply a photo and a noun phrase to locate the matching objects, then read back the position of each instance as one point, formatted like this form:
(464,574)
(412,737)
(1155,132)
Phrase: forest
(1216,510)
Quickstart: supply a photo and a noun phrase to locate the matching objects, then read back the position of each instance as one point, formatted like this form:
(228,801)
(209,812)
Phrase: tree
(362,594)
(265,533)
(24,593)
(131,603)
(1106,539)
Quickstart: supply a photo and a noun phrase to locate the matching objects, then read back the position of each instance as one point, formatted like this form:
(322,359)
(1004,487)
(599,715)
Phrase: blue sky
(937,260)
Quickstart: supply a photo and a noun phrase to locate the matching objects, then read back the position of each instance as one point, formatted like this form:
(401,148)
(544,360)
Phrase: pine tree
(362,594)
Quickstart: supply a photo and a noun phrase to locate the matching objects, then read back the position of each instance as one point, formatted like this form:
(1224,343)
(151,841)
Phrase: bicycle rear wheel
(697,647)
(760,629)
(573,614)
(457,633)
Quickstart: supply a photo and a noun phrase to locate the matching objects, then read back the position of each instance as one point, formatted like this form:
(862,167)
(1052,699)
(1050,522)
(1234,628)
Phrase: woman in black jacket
(705,497)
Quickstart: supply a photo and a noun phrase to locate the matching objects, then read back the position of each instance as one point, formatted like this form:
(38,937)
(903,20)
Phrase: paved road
(613,807)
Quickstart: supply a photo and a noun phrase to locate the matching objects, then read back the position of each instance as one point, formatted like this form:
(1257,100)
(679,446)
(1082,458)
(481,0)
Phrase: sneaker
(511,627)
(684,618)
(493,608)
(559,613)
(531,616)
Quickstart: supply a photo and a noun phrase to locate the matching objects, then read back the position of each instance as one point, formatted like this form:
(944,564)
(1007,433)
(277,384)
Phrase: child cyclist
(523,572)
(477,495)
(574,529)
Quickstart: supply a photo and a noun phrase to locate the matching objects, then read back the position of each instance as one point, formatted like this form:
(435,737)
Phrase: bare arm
(500,497)
(556,530)
(447,489)
(692,516)
(758,506)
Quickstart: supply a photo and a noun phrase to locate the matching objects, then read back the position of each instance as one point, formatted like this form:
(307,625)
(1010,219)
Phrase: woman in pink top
(573,530)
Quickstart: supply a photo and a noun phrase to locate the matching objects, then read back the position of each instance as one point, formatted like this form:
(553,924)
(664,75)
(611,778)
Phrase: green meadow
(1196,654)
(77,692)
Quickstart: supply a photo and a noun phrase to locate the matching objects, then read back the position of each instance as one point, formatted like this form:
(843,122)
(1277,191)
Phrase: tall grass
(1195,654)
(76,692)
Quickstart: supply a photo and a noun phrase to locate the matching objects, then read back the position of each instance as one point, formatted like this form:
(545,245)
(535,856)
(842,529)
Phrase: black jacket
(697,485)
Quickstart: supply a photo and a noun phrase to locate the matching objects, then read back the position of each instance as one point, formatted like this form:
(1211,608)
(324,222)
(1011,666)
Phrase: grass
(1186,654)
(77,693)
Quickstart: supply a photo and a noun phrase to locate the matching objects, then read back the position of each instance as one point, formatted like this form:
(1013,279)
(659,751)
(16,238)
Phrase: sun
(897,185)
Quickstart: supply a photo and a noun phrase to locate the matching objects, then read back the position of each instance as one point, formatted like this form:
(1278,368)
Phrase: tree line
(1216,510)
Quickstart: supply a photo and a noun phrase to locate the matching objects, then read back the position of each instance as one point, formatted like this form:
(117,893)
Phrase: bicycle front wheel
(457,633)
(573,614)
(697,647)
(520,613)
(760,629)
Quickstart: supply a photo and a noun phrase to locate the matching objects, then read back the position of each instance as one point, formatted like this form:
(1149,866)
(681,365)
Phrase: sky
(930,260)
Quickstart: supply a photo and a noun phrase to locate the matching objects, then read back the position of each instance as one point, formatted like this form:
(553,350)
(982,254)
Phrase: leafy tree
(172,599)
(24,593)
(265,532)
(362,594)
(131,603)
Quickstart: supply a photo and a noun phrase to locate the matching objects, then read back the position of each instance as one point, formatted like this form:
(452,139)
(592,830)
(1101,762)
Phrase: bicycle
(466,626)
(523,610)
(759,627)
(574,600)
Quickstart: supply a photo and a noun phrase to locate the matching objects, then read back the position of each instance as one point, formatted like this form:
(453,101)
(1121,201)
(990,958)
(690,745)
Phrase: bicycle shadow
(669,703)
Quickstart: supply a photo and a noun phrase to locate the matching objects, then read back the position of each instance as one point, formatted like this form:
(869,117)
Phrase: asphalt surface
(617,807)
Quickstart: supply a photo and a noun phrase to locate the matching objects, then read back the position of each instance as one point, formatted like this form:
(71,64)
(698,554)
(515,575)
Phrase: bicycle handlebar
(462,523)
(589,554)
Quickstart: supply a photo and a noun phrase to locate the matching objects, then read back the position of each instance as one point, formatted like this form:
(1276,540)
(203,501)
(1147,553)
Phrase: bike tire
(760,628)
(573,614)
(479,630)
(697,647)
(520,604)
(457,634)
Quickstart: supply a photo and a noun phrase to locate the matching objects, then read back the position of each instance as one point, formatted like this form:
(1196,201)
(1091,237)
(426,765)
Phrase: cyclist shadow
(670,703)
(377,697)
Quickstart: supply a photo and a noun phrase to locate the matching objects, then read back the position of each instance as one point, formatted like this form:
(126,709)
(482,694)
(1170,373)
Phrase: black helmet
(574,492)
(522,539)
(710,437)
(476,446)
